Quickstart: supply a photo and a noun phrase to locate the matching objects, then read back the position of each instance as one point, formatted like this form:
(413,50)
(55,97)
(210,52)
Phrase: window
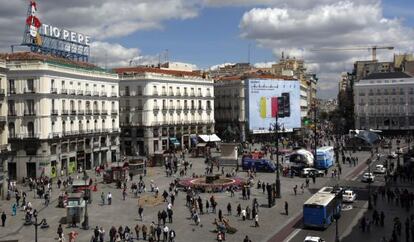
(199,105)
(127,91)
(139,90)
(63,84)
(30,85)
(12,130)
(12,88)
(30,129)
(52,83)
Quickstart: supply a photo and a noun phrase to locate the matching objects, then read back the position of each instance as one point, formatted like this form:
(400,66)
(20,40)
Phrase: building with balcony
(58,118)
(162,109)
(4,147)
(384,101)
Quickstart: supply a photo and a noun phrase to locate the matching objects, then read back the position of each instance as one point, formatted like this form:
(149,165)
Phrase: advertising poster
(271,97)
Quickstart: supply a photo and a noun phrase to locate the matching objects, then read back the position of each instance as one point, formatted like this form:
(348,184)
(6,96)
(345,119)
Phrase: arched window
(63,127)
(113,124)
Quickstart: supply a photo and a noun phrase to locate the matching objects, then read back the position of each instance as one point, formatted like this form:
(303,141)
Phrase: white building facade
(4,147)
(163,109)
(61,117)
(384,101)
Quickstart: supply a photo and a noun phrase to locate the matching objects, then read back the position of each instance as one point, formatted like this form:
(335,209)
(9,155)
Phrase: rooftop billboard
(271,97)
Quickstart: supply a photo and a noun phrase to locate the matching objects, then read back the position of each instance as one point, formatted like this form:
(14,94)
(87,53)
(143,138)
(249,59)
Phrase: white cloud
(298,32)
(264,64)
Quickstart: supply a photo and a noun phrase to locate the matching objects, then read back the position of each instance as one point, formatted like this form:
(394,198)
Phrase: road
(351,212)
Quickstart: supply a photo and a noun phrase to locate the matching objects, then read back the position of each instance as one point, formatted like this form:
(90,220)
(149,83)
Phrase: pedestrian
(229,209)
(137,228)
(286,208)
(101,234)
(140,211)
(124,194)
(172,235)
(14,209)
(165,231)
(246,239)
(295,188)
(103,198)
(144,232)
(243,214)
(220,215)
(60,231)
(238,210)
(256,220)
(109,198)
(3,219)
(302,187)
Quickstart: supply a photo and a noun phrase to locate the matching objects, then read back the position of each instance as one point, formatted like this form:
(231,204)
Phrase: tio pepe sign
(64,34)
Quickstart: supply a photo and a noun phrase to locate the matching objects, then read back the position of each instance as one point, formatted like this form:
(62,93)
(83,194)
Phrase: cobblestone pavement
(125,213)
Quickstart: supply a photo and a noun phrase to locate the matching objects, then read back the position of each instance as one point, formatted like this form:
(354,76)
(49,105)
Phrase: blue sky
(211,38)
(208,32)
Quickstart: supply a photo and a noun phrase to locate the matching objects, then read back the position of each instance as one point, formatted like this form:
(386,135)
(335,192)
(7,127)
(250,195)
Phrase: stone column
(5,177)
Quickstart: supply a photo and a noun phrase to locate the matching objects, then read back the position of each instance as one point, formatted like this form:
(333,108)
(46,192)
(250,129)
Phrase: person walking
(243,214)
(140,212)
(3,219)
(109,198)
(101,234)
(295,189)
(165,232)
(256,220)
(144,232)
(286,208)
(137,228)
(229,209)
(103,198)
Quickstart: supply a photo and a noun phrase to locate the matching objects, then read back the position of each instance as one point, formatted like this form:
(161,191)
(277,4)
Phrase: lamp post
(36,224)
(369,184)
(336,217)
(278,195)
(85,224)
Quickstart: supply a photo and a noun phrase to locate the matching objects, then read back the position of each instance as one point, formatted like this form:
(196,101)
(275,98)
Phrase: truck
(261,165)
(324,157)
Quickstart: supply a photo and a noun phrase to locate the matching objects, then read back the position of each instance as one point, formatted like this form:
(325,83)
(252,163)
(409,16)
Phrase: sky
(212,32)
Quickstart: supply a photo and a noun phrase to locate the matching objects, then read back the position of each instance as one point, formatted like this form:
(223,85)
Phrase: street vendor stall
(116,172)
(75,208)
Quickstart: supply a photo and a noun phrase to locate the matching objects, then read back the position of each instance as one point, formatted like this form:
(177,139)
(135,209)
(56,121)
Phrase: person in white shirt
(109,198)
(165,232)
(243,213)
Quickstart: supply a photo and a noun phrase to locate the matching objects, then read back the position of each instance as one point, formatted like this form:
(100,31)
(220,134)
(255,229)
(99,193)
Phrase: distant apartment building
(4,147)
(62,115)
(295,68)
(231,105)
(384,101)
(231,70)
(163,108)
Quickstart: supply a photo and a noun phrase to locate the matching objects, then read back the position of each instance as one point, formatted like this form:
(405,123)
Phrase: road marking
(292,235)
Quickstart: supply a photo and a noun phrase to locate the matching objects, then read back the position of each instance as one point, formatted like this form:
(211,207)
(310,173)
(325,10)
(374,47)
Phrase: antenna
(248,54)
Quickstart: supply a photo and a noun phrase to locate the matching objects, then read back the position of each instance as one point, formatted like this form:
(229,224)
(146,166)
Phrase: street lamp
(369,184)
(278,195)
(85,224)
(336,217)
(42,223)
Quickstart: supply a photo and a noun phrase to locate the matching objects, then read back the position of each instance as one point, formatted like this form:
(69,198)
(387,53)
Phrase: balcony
(3,119)
(155,93)
(171,93)
(54,112)
(81,112)
(185,94)
(11,90)
(156,108)
(208,95)
(95,93)
(87,93)
(53,90)
(113,94)
(139,108)
(29,90)
(65,112)
(72,112)
(79,92)
(114,112)
(96,112)
(64,91)
(2,93)
(164,93)
(103,94)
(72,92)
(192,94)
(104,112)
(30,136)
(29,113)
(55,135)
(178,93)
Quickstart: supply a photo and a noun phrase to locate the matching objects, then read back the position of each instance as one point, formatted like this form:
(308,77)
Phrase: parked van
(259,164)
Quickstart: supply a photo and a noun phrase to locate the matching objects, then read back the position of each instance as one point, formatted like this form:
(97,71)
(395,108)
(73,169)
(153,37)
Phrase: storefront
(80,159)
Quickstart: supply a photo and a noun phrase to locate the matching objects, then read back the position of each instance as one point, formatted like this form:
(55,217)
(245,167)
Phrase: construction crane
(373,49)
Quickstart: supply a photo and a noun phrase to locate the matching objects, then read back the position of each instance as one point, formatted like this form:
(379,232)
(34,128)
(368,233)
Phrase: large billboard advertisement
(271,97)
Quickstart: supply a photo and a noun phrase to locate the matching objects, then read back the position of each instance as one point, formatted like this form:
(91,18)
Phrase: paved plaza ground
(125,213)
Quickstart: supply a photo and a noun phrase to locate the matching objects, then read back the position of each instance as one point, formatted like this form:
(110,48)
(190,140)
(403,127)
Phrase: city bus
(319,210)
(324,157)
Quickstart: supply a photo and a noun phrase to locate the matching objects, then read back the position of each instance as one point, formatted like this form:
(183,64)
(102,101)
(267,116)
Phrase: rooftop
(387,75)
(29,56)
(146,69)
(254,76)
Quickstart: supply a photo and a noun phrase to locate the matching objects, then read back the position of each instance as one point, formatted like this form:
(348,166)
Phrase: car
(348,196)
(313,239)
(311,171)
(392,155)
(380,169)
(368,177)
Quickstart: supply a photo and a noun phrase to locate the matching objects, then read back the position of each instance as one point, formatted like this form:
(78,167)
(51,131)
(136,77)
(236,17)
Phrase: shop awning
(209,138)
(174,141)
(201,144)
